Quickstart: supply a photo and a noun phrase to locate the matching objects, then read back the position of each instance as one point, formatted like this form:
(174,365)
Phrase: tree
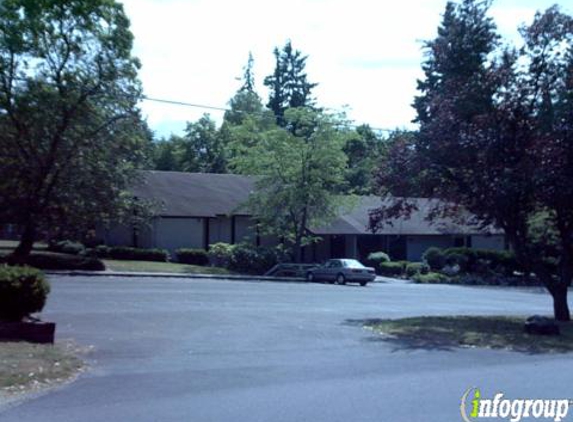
(246,101)
(364,150)
(495,136)
(202,149)
(298,175)
(288,85)
(166,154)
(71,132)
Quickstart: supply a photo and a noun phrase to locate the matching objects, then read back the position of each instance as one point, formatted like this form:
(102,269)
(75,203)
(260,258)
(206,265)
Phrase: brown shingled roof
(194,194)
(208,195)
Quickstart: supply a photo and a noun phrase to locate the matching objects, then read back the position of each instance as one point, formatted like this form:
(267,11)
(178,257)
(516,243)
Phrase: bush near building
(192,256)
(23,291)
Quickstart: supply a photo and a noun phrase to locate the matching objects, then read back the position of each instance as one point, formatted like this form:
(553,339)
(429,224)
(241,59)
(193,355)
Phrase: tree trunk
(297,250)
(26,242)
(560,305)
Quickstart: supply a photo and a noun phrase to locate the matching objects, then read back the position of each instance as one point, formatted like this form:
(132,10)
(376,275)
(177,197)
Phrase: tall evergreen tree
(249,75)
(246,101)
(288,84)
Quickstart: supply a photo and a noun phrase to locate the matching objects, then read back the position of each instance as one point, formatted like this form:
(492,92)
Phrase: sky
(364,54)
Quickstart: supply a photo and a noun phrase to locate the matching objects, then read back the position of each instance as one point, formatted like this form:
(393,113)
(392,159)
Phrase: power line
(183,103)
(208,107)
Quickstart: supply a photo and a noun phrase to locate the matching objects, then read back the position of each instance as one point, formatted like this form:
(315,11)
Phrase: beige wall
(220,230)
(495,242)
(174,233)
(417,245)
(244,230)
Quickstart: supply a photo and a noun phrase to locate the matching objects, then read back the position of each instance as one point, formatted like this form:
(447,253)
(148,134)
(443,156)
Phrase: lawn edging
(176,275)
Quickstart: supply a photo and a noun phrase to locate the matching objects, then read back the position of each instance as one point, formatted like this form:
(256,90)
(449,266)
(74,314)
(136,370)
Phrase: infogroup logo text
(474,407)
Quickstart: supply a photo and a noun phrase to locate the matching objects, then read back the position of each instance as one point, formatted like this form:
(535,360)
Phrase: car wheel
(363,283)
(340,279)
(310,277)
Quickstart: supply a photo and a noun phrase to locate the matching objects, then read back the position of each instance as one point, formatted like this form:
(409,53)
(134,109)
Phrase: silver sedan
(342,271)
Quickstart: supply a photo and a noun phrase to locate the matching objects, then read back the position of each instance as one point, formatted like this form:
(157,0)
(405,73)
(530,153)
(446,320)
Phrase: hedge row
(475,261)
(56,261)
(192,256)
(244,258)
(131,254)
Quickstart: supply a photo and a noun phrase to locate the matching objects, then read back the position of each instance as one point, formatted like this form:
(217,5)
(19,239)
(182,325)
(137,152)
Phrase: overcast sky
(365,54)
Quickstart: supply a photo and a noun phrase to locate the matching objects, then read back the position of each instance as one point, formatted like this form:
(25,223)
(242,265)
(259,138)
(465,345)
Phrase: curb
(176,275)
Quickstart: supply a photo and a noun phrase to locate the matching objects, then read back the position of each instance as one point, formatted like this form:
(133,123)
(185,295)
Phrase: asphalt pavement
(176,350)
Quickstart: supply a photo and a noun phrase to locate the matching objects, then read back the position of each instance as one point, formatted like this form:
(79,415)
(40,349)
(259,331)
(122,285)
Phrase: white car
(342,271)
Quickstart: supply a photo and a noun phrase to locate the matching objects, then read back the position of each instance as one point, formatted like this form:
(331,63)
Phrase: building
(198,209)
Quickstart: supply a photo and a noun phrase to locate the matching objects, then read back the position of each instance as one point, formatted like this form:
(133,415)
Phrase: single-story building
(199,209)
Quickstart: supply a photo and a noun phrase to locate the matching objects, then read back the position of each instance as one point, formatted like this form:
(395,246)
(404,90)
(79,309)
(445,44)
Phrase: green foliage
(23,291)
(56,261)
(364,150)
(298,172)
(220,254)
(431,278)
(203,150)
(250,259)
(461,260)
(414,268)
(72,134)
(392,269)
(374,259)
(192,256)
(67,246)
(288,85)
(102,251)
(200,150)
(138,254)
(482,260)
(435,258)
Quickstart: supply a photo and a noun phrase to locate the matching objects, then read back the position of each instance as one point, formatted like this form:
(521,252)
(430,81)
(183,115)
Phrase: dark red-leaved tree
(496,136)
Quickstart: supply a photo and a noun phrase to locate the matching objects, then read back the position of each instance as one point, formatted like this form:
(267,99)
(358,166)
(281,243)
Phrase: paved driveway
(172,350)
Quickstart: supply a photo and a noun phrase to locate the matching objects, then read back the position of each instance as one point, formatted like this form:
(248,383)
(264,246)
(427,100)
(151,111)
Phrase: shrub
(431,278)
(138,254)
(483,260)
(374,259)
(453,259)
(23,291)
(392,269)
(435,258)
(102,251)
(67,246)
(58,261)
(413,268)
(249,259)
(220,254)
(192,256)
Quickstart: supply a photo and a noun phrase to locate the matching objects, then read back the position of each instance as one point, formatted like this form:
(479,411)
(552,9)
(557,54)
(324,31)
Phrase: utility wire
(208,107)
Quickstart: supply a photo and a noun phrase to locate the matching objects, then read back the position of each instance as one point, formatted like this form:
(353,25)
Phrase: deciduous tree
(71,134)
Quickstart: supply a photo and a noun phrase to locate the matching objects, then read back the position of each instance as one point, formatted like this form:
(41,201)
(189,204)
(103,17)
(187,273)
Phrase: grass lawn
(160,267)
(25,366)
(496,332)
(9,245)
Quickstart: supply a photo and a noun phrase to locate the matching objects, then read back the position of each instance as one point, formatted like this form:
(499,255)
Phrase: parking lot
(213,350)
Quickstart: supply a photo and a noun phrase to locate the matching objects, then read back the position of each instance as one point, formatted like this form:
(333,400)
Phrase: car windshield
(352,263)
